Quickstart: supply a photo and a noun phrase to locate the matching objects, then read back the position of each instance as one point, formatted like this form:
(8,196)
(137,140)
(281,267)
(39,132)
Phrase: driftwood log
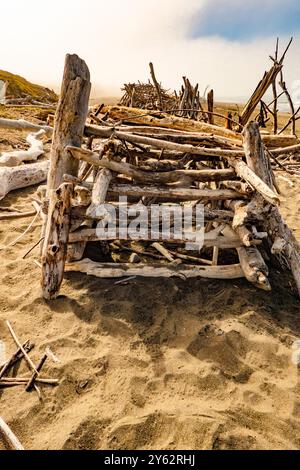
(22,125)
(9,436)
(283,244)
(17,157)
(69,126)
(22,177)
(115,270)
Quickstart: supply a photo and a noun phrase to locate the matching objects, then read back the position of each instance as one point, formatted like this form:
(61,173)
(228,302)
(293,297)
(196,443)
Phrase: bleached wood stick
(17,157)
(163,251)
(244,172)
(9,436)
(22,125)
(252,263)
(99,192)
(20,346)
(21,177)
(158,119)
(17,215)
(24,380)
(90,235)
(115,270)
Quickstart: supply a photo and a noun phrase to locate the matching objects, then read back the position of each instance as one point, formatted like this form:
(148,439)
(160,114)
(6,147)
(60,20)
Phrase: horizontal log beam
(114,270)
(181,194)
(92,235)
(106,132)
(158,119)
(22,125)
(134,172)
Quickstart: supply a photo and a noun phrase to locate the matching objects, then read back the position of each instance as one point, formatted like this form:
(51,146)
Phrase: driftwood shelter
(177,158)
(156,157)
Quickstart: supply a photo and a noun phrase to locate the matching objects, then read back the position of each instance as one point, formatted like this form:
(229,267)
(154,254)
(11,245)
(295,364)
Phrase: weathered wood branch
(259,92)
(244,172)
(9,436)
(22,125)
(283,245)
(150,177)
(22,177)
(114,270)
(158,119)
(16,157)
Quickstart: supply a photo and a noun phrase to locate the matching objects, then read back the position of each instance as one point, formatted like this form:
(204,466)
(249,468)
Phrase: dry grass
(19,86)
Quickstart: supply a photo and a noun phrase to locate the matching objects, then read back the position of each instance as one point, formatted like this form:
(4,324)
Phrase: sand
(153,364)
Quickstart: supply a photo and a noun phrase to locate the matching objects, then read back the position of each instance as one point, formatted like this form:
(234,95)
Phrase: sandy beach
(152,364)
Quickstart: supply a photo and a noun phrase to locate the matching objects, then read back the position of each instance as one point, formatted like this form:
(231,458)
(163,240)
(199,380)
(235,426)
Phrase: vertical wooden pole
(283,245)
(69,120)
(68,130)
(210,106)
(228,121)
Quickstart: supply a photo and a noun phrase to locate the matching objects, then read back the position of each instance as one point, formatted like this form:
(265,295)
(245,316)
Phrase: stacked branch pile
(156,157)
(162,159)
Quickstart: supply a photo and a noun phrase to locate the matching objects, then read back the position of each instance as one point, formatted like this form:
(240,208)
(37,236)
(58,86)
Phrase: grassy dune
(19,86)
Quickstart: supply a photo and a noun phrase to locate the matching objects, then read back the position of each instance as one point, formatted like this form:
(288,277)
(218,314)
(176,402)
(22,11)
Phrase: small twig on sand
(22,234)
(15,358)
(26,357)
(35,374)
(33,247)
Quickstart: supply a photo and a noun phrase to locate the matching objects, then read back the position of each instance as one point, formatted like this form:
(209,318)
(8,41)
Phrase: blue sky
(224,44)
(239,20)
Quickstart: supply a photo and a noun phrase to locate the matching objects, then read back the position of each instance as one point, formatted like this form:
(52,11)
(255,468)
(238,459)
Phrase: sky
(224,44)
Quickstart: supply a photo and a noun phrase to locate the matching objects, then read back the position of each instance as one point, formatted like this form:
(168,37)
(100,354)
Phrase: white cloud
(118,38)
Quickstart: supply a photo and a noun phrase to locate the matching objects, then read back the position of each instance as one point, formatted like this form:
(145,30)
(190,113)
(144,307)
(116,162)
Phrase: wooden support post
(228,121)
(69,120)
(100,188)
(68,130)
(99,192)
(56,240)
(157,85)
(283,245)
(252,263)
(210,106)
(256,156)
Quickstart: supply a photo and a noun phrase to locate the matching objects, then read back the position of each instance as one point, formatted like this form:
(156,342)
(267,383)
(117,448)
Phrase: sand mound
(154,364)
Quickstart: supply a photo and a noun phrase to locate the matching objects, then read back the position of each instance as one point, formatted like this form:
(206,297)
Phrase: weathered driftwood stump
(68,130)
(22,176)
(283,245)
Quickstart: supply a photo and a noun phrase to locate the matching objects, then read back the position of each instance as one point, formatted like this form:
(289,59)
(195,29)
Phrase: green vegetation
(18,87)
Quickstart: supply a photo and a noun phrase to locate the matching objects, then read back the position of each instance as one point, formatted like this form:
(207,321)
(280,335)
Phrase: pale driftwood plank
(114,270)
